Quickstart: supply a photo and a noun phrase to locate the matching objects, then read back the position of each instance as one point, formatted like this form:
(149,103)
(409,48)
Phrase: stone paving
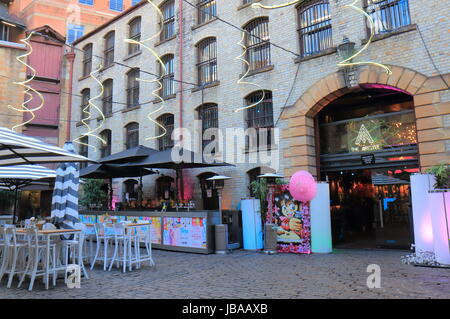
(248,275)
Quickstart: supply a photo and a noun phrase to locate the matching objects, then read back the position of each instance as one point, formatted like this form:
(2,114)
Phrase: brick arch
(426,91)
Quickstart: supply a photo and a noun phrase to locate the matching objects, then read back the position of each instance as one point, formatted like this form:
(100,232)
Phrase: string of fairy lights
(157,78)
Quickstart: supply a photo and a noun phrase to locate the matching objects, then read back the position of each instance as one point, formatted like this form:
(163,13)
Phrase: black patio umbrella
(176,158)
(129,155)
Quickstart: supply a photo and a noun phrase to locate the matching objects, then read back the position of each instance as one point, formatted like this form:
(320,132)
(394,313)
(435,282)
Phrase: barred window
(253,176)
(134,34)
(167,76)
(208,114)
(133,88)
(87,59)
(4,32)
(260,117)
(84,107)
(168,122)
(105,150)
(207,61)
(84,150)
(315,30)
(257,42)
(107,97)
(131,135)
(388,15)
(109,49)
(206,10)
(168,22)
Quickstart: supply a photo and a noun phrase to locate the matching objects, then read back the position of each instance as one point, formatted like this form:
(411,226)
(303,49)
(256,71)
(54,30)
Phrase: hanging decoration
(157,79)
(241,80)
(347,62)
(87,110)
(302,186)
(25,84)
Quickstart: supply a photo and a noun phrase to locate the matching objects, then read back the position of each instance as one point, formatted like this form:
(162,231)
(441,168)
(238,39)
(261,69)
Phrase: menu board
(185,232)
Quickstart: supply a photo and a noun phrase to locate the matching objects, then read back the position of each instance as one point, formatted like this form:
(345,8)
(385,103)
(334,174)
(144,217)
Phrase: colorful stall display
(184,232)
(293,221)
(88,219)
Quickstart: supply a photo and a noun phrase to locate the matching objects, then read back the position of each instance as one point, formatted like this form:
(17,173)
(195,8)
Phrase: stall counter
(178,231)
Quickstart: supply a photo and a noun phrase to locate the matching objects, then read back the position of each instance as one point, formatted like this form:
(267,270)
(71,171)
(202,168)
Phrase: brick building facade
(298,72)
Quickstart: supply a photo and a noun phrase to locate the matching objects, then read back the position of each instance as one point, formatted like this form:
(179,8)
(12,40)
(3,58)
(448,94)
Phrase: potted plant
(93,195)
(439,204)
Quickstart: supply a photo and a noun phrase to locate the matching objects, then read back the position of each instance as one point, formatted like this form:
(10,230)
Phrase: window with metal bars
(207,61)
(133,88)
(315,29)
(109,49)
(206,10)
(105,149)
(168,122)
(4,32)
(167,76)
(168,22)
(209,115)
(257,43)
(87,59)
(84,150)
(107,97)
(260,117)
(388,15)
(131,135)
(84,109)
(134,34)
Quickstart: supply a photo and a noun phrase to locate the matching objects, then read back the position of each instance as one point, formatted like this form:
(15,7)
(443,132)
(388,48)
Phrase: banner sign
(184,232)
(293,221)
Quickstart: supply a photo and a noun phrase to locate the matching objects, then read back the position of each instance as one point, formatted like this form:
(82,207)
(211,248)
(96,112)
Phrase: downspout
(70,57)
(181,91)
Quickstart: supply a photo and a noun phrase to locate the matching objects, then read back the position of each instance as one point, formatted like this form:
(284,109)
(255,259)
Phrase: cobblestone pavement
(244,274)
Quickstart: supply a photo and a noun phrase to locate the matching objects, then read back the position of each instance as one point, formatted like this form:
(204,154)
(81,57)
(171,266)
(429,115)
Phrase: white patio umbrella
(17,149)
(65,194)
(17,177)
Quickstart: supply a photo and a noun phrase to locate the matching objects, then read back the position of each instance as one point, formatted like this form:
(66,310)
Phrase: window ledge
(84,78)
(165,98)
(262,70)
(247,5)
(404,29)
(106,67)
(207,86)
(132,55)
(203,24)
(316,55)
(165,40)
(107,116)
(131,109)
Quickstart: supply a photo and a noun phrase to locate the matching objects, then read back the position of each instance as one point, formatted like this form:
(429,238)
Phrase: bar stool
(74,249)
(122,253)
(13,249)
(146,236)
(35,265)
(103,234)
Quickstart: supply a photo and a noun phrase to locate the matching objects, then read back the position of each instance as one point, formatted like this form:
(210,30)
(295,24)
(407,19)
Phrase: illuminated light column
(421,184)
(321,241)
(439,202)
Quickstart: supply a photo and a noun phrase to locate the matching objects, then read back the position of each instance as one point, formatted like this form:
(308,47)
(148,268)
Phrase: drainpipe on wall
(70,56)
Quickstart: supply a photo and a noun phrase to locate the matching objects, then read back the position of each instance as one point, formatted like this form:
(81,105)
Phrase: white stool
(12,264)
(102,234)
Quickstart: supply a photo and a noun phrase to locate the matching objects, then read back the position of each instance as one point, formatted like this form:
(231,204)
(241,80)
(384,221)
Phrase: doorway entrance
(368,146)
(371,208)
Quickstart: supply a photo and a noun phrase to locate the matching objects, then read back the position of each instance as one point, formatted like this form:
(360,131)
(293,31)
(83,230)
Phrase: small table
(47,234)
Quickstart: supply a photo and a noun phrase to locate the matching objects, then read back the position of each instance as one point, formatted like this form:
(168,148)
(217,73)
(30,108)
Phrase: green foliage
(442,173)
(92,193)
(259,189)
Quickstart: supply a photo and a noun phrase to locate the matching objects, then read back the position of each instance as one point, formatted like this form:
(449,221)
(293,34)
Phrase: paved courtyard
(244,274)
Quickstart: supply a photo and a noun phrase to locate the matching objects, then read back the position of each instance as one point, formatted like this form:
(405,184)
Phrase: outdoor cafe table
(47,234)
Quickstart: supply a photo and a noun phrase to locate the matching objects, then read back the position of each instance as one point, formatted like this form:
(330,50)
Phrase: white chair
(145,235)
(122,253)
(12,264)
(103,234)
(74,248)
(36,265)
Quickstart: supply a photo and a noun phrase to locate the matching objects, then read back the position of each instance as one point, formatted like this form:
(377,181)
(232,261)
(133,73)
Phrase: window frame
(262,48)
(311,30)
(210,64)
(210,113)
(87,59)
(205,15)
(133,92)
(84,102)
(107,100)
(167,78)
(131,135)
(105,150)
(389,3)
(134,48)
(167,24)
(265,107)
(167,120)
(108,53)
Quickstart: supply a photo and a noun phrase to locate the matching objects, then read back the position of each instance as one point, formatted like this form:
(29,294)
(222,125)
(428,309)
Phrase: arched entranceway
(366,140)
(210,196)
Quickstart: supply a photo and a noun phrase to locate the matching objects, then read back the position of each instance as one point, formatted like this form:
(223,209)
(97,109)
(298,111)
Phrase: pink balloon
(302,186)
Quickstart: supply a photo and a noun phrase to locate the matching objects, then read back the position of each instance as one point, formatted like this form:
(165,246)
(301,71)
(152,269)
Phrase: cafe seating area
(37,249)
